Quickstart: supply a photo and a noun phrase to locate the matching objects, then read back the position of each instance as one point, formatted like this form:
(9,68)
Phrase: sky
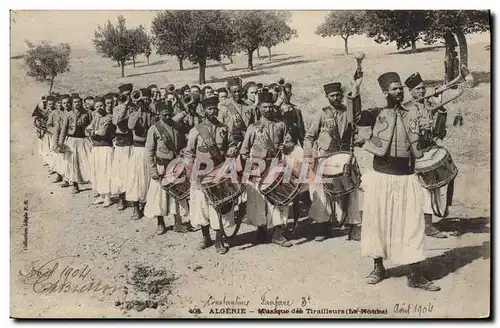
(77,27)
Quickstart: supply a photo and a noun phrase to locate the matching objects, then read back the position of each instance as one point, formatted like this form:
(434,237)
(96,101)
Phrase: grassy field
(331,273)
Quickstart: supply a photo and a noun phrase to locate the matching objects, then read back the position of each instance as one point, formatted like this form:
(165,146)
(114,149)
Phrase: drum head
(430,158)
(334,164)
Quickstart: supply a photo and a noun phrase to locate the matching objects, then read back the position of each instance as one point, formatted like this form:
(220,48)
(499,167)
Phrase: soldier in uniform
(163,144)
(190,117)
(101,131)
(438,131)
(59,166)
(72,137)
(331,132)
(138,177)
(235,112)
(208,141)
(263,140)
(123,146)
(393,225)
(40,114)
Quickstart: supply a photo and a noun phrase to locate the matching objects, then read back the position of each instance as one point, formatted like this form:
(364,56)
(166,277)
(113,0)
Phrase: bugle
(453,83)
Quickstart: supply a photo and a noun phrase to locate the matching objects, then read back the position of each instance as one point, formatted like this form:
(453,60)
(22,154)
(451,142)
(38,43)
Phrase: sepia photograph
(250,164)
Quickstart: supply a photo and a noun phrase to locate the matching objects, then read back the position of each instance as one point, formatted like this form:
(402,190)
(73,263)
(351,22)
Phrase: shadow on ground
(461,226)
(418,50)
(438,267)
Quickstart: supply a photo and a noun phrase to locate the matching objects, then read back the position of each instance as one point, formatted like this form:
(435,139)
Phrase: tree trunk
(462,45)
(270,55)
(413,45)
(133,60)
(203,64)
(258,53)
(230,59)
(118,63)
(250,59)
(122,65)
(346,49)
(448,60)
(147,58)
(181,65)
(51,83)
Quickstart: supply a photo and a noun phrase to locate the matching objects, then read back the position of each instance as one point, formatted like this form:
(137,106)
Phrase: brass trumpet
(453,83)
(190,99)
(136,95)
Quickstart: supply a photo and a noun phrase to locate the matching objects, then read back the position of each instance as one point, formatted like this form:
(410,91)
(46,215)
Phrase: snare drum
(221,192)
(343,174)
(436,168)
(278,191)
(176,182)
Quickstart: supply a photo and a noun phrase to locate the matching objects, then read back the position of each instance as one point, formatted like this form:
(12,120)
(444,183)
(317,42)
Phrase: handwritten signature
(53,277)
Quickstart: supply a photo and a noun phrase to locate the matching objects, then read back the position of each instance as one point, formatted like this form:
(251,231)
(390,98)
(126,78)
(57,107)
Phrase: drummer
(393,208)
(263,140)
(209,143)
(163,144)
(331,132)
(437,131)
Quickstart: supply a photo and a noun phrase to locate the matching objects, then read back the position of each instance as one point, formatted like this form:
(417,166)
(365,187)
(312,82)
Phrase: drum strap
(209,140)
(238,119)
(167,140)
(435,199)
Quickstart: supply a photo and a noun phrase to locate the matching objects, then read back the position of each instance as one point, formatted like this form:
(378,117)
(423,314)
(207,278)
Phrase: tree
(276,30)
(170,34)
(405,27)
(140,43)
(451,24)
(343,23)
(198,35)
(45,61)
(115,42)
(249,26)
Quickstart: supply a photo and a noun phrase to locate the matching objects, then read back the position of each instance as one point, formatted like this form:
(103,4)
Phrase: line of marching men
(123,142)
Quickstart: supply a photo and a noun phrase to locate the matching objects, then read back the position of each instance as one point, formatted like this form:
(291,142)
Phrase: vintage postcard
(250,164)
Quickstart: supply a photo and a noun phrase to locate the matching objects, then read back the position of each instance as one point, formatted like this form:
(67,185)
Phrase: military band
(153,149)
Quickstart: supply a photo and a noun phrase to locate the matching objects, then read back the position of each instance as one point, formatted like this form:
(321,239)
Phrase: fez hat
(89,98)
(153,86)
(288,85)
(184,88)
(266,97)
(75,95)
(108,96)
(44,98)
(65,96)
(125,88)
(146,92)
(195,86)
(386,79)
(210,102)
(332,87)
(413,80)
(99,99)
(234,81)
(222,90)
(51,98)
(114,95)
